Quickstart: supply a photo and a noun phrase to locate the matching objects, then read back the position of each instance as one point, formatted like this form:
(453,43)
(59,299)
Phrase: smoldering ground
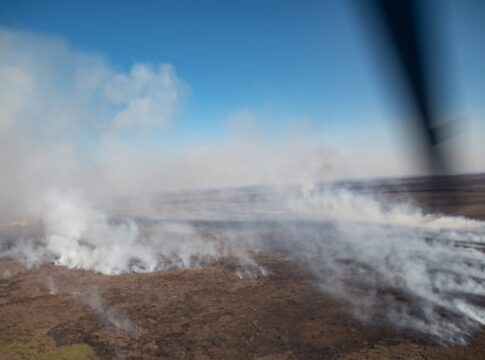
(392,263)
(60,197)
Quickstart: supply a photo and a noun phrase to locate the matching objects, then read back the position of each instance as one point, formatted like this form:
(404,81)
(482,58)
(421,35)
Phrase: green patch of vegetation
(43,349)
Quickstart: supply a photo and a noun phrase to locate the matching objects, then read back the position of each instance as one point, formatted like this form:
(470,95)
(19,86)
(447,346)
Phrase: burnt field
(377,283)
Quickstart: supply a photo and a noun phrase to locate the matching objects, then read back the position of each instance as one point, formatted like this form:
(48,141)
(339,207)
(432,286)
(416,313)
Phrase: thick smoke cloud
(76,174)
(60,106)
(69,119)
(394,263)
(391,262)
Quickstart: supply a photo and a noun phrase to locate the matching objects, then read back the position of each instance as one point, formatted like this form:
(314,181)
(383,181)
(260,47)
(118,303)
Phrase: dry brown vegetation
(210,313)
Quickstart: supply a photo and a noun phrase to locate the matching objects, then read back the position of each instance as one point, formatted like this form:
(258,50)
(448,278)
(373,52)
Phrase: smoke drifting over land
(69,120)
(65,124)
(392,262)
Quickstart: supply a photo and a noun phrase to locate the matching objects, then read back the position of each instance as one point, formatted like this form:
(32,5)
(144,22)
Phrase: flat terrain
(51,312)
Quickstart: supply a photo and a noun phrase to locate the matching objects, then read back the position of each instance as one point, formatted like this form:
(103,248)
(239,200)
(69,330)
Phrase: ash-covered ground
(355,270)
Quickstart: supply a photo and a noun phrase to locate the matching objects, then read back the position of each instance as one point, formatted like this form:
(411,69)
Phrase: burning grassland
(381,265)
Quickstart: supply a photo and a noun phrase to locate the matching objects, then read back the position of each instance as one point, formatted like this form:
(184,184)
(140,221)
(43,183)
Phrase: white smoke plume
(77,235)
(391,262)
(69,120)
(421,272)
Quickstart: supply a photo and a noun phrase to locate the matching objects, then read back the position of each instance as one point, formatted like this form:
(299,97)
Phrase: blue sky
(279,60)
(282,59)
